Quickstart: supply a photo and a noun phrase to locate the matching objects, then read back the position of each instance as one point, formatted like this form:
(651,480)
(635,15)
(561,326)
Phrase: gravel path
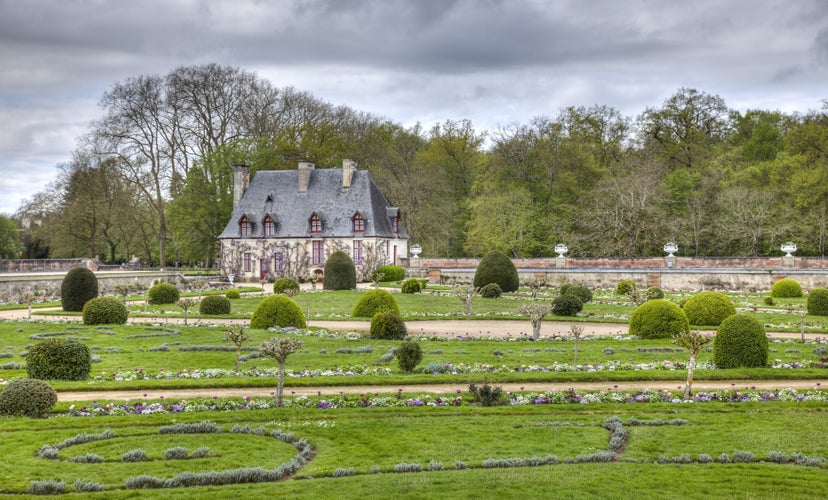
(447,389)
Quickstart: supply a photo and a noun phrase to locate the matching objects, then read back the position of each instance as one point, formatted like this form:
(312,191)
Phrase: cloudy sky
(494,62)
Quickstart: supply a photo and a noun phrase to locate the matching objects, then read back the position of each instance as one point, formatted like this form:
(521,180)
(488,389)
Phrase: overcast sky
(493,62)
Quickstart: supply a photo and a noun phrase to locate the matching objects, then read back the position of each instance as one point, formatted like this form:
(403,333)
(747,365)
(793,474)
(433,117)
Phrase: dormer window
(315,224)
(397,223)
(359,223)
(244,226)
(268,226)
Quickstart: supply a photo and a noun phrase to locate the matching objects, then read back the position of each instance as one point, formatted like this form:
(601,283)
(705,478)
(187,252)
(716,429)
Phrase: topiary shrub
(625,287)
(78,286)
(496,267)
(408,355)
(411,285)
(389,273)
(104,311)
(653,293)
(27,397)
(567,305)
(163,293)
(565,288)
(580,291)
(708,308)
(288,286)
(214,304)
(818,302)
(491,291)
(59,359)
(232,294)
(658,319)
(786,288)
(278,310)
(740,341)
(374,301)
(340,272)
(388,325)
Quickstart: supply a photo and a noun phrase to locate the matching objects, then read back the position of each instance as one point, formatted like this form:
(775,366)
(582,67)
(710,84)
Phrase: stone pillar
(560,262)
(788,262)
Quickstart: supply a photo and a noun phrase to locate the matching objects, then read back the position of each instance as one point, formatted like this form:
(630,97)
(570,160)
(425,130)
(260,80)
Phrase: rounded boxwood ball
(374,301)
(818,302)
(59,359)
(658,319)
(288,286)
(786,288)
(232,294)
(411,285)
(496,267)
(388,325)
(340,272)
(567,305)
(104,311)
(491,291)
(580,291)
(389,273)
(163,293)
(278,310)
(708,308)
(214,304)
(27,397)
(740,341)
(78,286)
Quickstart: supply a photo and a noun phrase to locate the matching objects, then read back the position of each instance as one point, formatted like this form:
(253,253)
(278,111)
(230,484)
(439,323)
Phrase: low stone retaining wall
(14,284)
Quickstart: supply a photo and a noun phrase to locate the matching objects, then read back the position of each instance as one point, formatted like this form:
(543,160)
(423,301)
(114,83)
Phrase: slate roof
(276,193)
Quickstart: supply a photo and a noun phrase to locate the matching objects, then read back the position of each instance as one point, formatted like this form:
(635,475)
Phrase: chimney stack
(305,168)
(348,169)
(241,179)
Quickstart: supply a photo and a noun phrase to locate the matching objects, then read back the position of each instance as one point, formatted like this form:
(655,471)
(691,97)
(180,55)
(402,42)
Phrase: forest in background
(152,176)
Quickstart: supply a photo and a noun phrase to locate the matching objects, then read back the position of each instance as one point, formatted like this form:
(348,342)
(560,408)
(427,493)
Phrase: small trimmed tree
(340,272)
(535,312)
(280,349)
(78,286)
(104,311)
(408,355)
(27,397)
(496,267)
(238,337)
(694,342)
(629,289)
(388,325)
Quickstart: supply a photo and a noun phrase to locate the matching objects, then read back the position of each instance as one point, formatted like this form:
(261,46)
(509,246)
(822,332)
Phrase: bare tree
(238,337)
(535,312)
(280,349)
(694,341)
(576,331)
(466,294)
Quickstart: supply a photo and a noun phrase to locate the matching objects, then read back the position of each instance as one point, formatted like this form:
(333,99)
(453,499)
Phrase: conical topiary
(340,272)
(78,286)
(496,267)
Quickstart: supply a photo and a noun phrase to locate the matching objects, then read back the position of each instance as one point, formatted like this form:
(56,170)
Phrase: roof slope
(276,193)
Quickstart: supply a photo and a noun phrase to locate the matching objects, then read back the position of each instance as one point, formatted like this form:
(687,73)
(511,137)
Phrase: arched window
(315,224)
(268,226)
(244,226)
(359,223)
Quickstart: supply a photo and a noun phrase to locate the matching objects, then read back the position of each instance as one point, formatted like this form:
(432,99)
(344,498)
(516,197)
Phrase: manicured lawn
(370,443)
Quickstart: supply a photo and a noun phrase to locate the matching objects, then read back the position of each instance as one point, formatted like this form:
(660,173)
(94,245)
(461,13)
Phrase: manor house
(286,222)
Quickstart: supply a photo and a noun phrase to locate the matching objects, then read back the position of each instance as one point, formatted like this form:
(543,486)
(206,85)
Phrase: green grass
(130,347)
(360,439)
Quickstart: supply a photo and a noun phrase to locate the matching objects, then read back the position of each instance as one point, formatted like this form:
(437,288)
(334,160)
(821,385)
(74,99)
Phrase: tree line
(152,176)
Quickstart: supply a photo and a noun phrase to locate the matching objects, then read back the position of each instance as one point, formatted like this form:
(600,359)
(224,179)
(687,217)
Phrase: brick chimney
(305,168)
(348,169)
(241,179)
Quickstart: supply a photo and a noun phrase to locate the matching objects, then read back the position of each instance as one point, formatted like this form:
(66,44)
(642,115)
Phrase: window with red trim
(359,223)
(247,262)
(315,224)
(396,223)
(357,251)
(244,227)
(269,227)
(318,252)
